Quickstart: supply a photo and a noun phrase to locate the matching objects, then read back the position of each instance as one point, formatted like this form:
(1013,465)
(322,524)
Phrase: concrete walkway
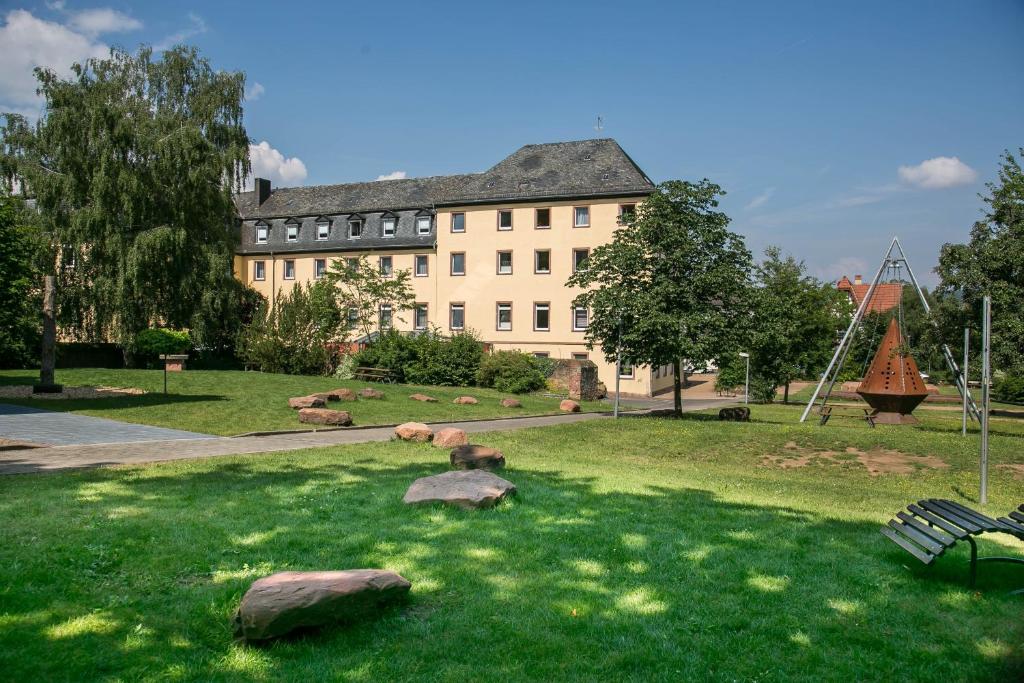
(22,423)
(57,458)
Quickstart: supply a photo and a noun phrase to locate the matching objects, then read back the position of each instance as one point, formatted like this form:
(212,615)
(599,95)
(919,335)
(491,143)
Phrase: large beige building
(488,251)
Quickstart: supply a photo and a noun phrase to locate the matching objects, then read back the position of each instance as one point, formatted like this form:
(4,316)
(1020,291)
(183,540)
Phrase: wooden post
(49,351)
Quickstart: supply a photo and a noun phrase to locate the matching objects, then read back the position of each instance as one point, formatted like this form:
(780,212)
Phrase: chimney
(262,187)
(856,278)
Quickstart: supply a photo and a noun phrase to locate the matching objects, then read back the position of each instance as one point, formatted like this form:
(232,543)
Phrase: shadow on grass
(144,569)
(115,402)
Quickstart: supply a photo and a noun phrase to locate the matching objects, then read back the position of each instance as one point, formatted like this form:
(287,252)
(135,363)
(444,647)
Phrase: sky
(831,126)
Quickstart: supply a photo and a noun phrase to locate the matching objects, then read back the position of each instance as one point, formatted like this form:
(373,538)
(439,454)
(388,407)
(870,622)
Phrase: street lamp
(746,387)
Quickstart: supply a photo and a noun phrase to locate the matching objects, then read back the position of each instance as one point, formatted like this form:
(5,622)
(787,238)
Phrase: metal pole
(618,368)
(746,389)
(986,377)
(967,346)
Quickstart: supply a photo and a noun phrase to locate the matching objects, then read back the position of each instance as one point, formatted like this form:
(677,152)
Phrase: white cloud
(394,175)
(196,26)
(938,173)
(93,22)
(27,42)
(761,198)
(254,92)
(269,163)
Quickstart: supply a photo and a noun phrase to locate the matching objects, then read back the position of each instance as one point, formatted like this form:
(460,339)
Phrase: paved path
(22,423)
(97,455)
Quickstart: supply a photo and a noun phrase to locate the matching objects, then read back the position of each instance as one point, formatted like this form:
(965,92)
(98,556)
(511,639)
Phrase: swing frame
(894,258)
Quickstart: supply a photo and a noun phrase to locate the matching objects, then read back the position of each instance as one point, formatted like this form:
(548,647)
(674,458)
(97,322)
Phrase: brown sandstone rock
(306,402)
(325,416)
(424,398)
(450,437)
(511,403)
(569,406)
(477,457)
(342,394)
(466,489)
(370,392)
(414,431)
(465,401)
(279,603)
(325,395)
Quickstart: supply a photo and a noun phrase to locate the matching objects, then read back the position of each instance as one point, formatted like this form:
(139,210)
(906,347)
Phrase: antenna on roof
(600,123)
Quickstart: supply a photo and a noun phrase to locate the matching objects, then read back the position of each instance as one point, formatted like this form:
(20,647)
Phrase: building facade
(488,252)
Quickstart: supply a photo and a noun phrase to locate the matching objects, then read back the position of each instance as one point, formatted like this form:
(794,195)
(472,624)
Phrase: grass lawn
(642,549)
(233,402)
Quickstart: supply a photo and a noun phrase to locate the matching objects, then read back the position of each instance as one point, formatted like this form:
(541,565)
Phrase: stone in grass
(370,392)
(424,398)
(282,602)
(325,395)
(325,416)
(465,401)
(568,406)
(511,403)
(414,431)
(477,458)
(306,402)
(450,437)
(470,489)
(342,394)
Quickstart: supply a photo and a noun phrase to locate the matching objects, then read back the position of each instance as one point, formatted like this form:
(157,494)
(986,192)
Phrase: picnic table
(859,412)
(374,375)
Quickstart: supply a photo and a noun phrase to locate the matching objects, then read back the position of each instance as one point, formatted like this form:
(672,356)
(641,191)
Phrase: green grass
(234,402)
(641,550)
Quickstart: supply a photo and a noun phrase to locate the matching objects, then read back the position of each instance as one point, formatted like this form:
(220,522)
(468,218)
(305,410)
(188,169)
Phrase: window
(458,222)
(323,230)
(355,229)
(352,263)
(353,318)
(319,267)
(626,210)
(543,219)
(387,266)
(504,263)
(626,370)
(67,258)
(423,225)
(421,265)
(580,318)
(505,219)
(541,354)
(388,224)
(504,316)
(385,316)
(420,320)
(582,217)
(457,316)
(581,356)
(542,317)
(579,258)
(542,261)
(259,270)
(289,270)
(458,263)
(261,233)
(292,233)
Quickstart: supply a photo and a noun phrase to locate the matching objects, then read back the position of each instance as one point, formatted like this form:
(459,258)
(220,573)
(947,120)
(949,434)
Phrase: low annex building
(488,251)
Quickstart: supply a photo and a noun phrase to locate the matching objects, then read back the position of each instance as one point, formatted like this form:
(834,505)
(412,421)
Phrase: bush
(426,358)
(1010,389)
(511,371)
(150,344)
(345,367)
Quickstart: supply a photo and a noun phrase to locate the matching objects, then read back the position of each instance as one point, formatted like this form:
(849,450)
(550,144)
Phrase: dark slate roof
(560,170)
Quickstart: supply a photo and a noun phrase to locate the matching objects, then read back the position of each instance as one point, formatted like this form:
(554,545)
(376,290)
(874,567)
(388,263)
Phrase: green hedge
(426,358)
(511,371)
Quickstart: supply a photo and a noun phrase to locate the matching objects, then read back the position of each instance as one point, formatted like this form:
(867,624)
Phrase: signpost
(986,380)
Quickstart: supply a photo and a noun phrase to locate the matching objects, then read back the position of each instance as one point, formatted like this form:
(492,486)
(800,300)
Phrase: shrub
(426,358)
(511,371)
(391,350)
(345,367)
(1010,389)
(150,344)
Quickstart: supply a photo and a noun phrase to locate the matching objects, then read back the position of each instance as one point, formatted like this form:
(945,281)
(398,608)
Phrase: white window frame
(627,375)
(459,213)
(257,266)
(510,219)
(575,311)
(416,260)
(288,263)
(415,316)
(499,255)
(323,230)
(263,230)
(391,266)
(380,317)
(451,263)
(385,222)
(451,316)
(536,268)
(499,307)
(291,233)
(319,268)
(577,250)
(419,225)
(358,232)
(538,306)
(576,217)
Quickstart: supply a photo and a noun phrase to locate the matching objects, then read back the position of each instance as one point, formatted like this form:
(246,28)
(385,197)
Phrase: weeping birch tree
(132,166)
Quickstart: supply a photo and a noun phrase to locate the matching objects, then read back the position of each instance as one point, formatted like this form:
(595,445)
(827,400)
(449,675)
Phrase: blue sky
(805,112)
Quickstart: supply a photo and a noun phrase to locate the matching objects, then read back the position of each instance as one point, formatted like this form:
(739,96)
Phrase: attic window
(262,230)
(605,176)
(423,224)
(323,230)
(490,183)
(292,233)
(388,225)
(588,157)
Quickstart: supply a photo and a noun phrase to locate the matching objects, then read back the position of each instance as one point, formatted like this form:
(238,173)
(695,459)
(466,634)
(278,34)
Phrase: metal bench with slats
(931,527)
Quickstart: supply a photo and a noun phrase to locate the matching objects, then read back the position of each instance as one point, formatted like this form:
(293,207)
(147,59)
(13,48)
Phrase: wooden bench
(374,375)
(827,412)
(930,527)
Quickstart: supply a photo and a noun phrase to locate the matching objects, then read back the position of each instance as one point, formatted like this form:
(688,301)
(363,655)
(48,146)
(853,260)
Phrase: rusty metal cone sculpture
(893,384)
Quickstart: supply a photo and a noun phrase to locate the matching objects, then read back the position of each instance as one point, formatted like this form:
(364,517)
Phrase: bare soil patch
(1016,470)
(876,461)
(25,391)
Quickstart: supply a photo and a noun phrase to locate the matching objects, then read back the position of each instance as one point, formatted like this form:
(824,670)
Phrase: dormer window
(355,227)
(388,225)
(262,232)
(291,230)
(423,224)
(323,228)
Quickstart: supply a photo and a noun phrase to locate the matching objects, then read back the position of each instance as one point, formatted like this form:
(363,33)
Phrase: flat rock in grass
(325,416)
(511,403)
(342,394)
(283,602)
(325,395)
(371,393)
(424,398)
(568,406)
(306,402)
(450,437)
(469,489)
(465,401)
(414,431)
(477,458)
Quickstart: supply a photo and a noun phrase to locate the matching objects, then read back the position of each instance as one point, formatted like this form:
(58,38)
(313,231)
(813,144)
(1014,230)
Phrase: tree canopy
(673,284)
(19,285)
(132,166)
(362,289)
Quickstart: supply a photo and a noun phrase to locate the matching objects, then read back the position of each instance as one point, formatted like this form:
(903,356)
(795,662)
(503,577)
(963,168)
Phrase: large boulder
(450,437)
(424,398)
(342,394)
(414,431)
(371,393)
(465,401)
(511,403)
(306,402)
(569,406)
(325,416)
(476,458)
(470,489)
(280,603)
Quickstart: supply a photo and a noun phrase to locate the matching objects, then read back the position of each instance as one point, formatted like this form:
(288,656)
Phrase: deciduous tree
(362,290)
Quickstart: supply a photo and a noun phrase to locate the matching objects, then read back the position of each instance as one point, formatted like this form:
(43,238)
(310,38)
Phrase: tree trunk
(785,393)
(48,355)
(677,387)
